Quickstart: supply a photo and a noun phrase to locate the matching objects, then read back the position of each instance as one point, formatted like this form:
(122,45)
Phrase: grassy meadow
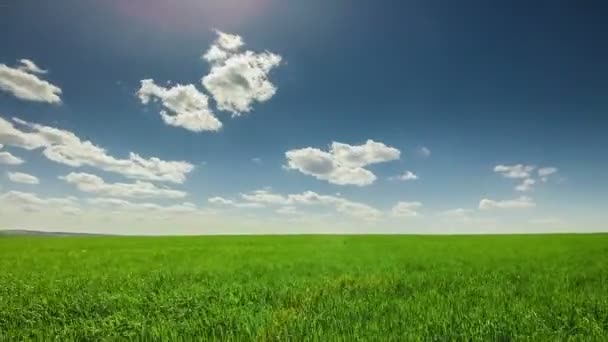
(500,288)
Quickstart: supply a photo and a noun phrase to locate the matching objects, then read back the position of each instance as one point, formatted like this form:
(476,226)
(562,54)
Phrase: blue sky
(485,86)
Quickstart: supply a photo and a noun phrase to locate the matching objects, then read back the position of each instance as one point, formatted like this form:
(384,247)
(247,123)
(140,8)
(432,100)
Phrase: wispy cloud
(545,172)
(423,152)
(518,203)
(514,171)
(266,198)
(23,178)
(89,183)
(406,209)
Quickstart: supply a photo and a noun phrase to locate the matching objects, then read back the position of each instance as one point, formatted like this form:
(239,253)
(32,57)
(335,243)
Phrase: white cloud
(545,172)
(358,210)
(230,203)
(288,203)
(23,178)
(424,152)
(514,171)
(526,185)
(6,158)
(94,184)
(406,176)
(264,197)
(257,161)
(31,202)
(31,67)
(22,83)
(406,209)
(343,164)
(125,205)
(310,198)
(518,203)
(65,147)
(184,106)
(237,78)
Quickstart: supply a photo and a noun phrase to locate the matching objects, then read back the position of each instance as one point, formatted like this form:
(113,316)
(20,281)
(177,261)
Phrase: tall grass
(501,288)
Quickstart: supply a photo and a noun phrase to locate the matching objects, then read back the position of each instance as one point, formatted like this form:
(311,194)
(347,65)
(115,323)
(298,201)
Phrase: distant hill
(27,232)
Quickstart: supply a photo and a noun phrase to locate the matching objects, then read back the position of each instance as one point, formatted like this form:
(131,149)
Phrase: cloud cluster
(288,203)
(525,173)
(89,183)
(23,178)
(31,202)
(238,78)
(235,80)
(518,203)
(184,105)
(343,164)
(22,82)
(406,209)
(117,204)
(65,147)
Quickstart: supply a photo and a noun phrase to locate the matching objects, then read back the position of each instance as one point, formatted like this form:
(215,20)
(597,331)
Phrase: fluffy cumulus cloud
(184,106)
(6,158)
(65,147)
(23,82)
(406,209)
(514,171)
(405,176)
(139,189)
(23,178)
(237,78)
(343,164)
(265,197)
(518,203)
(32,202)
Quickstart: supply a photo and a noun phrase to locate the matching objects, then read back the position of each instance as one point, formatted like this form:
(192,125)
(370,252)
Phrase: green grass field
(500,288)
